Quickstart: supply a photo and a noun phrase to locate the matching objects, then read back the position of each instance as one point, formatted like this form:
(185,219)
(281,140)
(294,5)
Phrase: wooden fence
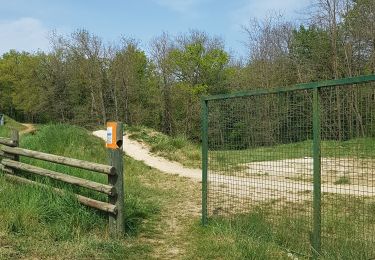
(12,169)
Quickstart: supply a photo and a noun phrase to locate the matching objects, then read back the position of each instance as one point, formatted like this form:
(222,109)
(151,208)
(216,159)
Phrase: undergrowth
(175,148)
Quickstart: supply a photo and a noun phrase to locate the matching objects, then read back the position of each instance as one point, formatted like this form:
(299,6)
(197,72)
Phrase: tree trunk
(167,115)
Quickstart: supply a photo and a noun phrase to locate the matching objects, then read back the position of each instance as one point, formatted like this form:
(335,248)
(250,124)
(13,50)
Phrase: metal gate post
(316,234)
(204,159)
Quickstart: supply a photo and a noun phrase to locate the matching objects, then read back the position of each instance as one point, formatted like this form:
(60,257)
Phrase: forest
(85,81)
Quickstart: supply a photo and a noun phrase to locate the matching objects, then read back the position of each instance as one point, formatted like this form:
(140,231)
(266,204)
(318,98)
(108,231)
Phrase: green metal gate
(302,158)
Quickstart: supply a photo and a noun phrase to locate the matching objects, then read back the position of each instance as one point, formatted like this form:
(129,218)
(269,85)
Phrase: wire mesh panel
(301,160)
(260,161)
(348,170)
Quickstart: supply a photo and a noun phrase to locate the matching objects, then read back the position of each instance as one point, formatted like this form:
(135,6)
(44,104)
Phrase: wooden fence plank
(104,206)
(107,189)
(7,142)
(7,155)
(5,169)
(107,169)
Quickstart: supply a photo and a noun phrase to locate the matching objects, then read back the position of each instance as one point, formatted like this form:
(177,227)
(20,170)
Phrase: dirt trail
(180,211)
(29,129)
(252,186)
(140,152)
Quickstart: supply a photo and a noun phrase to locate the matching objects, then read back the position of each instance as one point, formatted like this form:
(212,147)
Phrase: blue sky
(25,24)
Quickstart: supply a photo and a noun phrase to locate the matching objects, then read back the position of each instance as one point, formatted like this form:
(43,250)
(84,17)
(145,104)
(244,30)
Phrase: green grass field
(163,211)
(283,233)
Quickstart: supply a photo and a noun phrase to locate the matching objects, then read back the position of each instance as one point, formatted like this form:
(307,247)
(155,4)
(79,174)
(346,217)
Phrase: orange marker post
(111,135)
(114,145)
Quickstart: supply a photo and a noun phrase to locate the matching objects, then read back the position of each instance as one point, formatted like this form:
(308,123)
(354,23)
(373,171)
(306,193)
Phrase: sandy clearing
(256,187)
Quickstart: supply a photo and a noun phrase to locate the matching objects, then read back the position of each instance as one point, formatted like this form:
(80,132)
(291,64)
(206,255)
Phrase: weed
(342,180)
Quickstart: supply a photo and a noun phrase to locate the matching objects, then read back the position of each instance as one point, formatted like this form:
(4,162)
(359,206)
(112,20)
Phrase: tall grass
(269,233)
(245,237)
(5,130)
(31,216)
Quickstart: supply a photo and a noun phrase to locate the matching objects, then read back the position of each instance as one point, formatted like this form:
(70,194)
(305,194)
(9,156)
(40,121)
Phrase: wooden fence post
(16,141)
(114,145)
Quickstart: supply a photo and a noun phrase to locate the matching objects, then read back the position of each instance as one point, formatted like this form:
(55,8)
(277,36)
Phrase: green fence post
(316,235)
(204,159)
(114,145)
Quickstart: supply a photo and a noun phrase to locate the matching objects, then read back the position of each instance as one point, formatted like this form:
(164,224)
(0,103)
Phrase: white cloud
(23,34)
(260,9)
(181,6)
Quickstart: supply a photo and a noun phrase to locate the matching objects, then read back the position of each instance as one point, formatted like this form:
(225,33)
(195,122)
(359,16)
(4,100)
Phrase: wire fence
(302,158)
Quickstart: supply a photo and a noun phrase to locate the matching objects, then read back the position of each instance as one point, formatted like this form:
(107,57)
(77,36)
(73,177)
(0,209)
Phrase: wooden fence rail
(107,189)
(82,199)
(12,168)
(106,169)
(7,142)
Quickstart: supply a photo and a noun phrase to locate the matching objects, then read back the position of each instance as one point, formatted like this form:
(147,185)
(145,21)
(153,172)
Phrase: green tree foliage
(21,83)
(359,24)
(84,81)
(310,50)
(199,64)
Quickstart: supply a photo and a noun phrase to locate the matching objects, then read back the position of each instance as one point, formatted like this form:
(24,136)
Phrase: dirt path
(29,129)
(140,152)
(258,188)
(180,211)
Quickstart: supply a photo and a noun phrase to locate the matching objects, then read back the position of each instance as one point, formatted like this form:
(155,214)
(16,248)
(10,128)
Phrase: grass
(5,130)
(348,226)
(278,232)
(162,214)
(245,237)
(270,232)
(342,180)
(37,223)
(177,148)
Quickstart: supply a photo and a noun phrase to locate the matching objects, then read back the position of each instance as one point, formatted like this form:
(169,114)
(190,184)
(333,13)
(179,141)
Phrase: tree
(133,93)
(268,42)
(87,51)
(22,83)
(310,50)
(161,48)
(199,65)
(360,26)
